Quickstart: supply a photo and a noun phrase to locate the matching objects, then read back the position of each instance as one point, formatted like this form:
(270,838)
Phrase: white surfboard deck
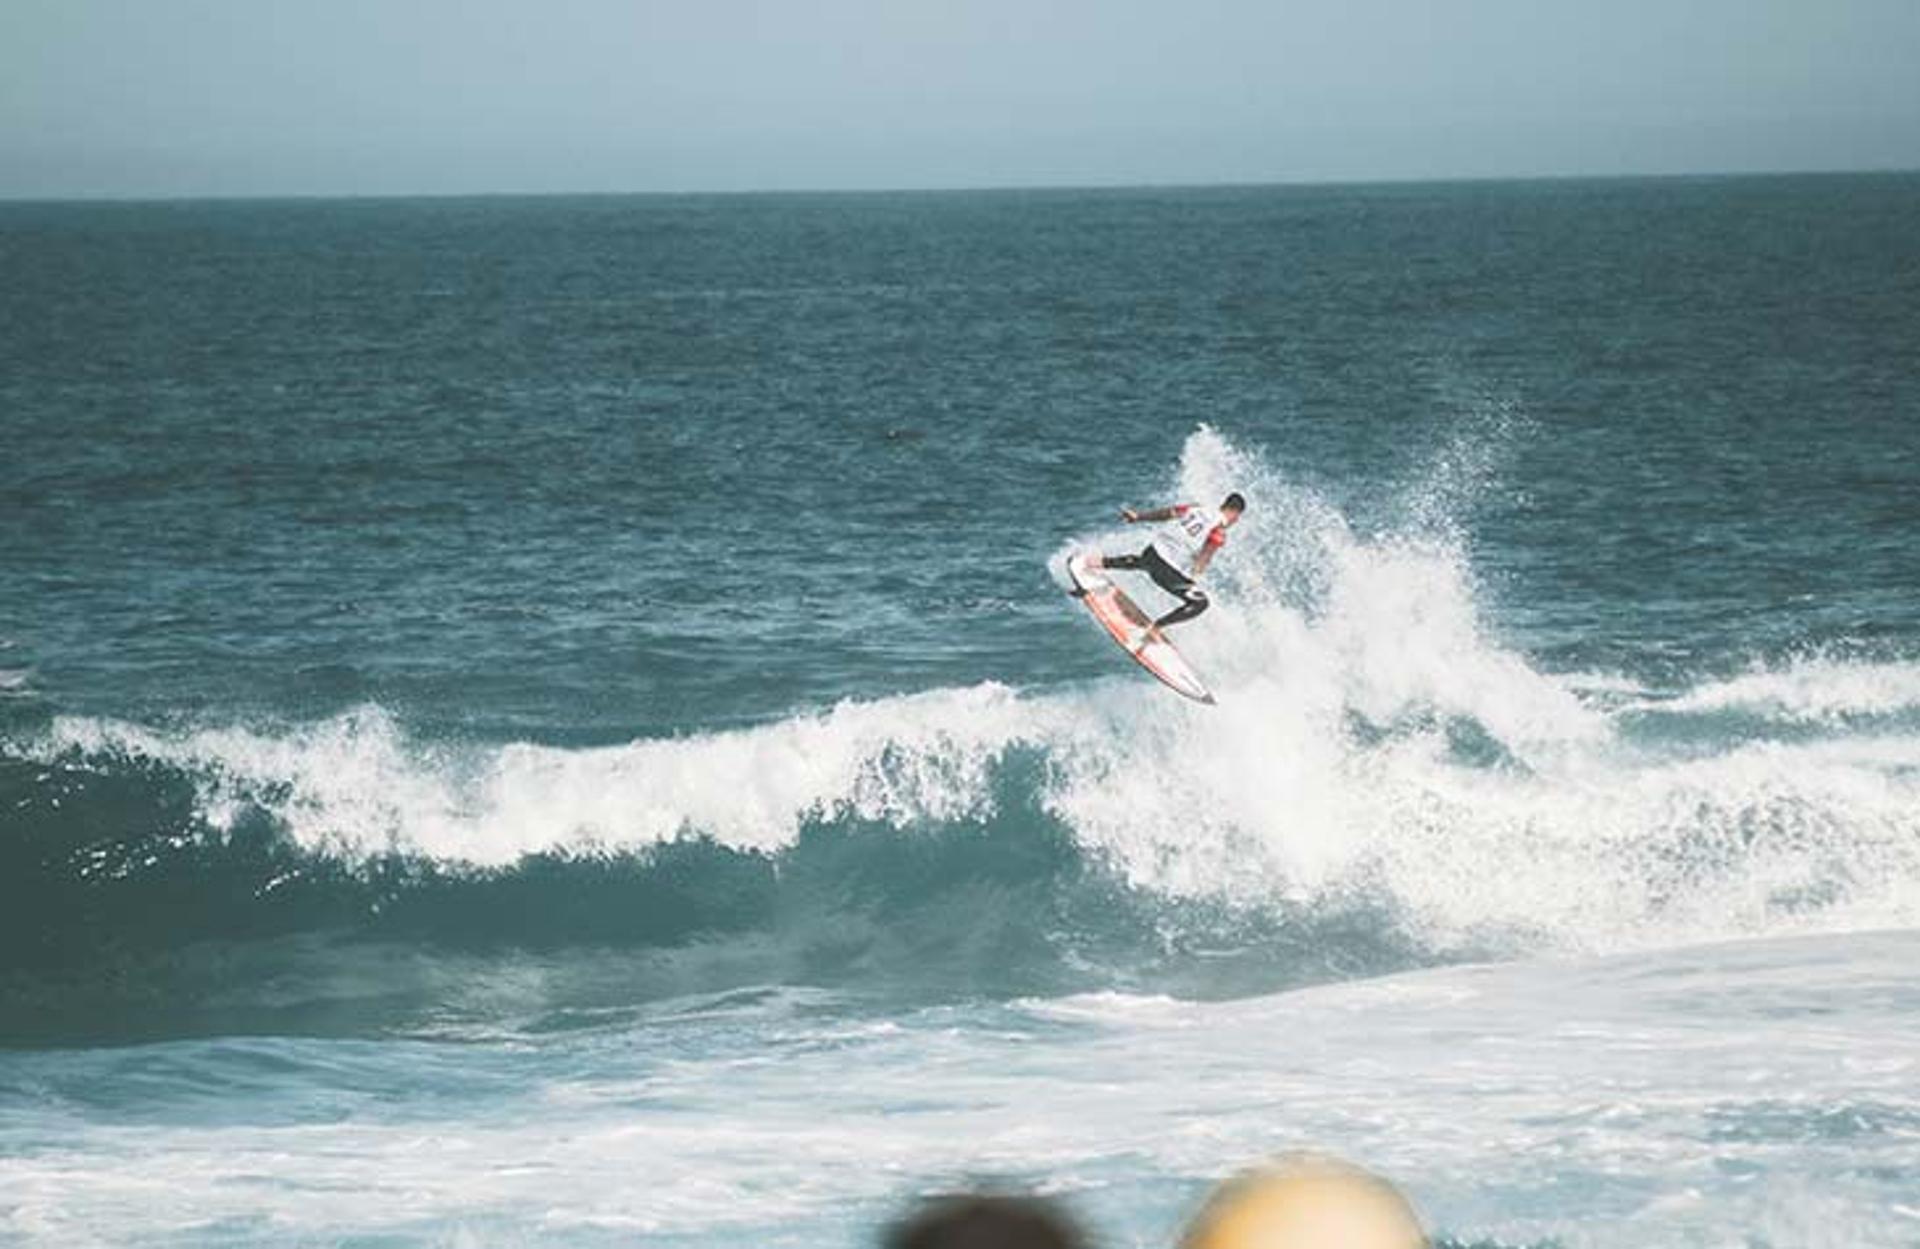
(1126,624)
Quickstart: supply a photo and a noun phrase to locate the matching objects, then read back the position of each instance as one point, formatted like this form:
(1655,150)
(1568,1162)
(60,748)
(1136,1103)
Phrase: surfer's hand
(1129,515)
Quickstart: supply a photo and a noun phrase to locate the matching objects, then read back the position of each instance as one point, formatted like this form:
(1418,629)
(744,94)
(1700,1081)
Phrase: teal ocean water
(555,721)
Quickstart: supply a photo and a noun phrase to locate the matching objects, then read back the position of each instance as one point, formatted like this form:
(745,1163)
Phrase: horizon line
(983,188)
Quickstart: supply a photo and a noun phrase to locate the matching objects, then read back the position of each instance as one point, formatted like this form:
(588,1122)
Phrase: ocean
(557,721)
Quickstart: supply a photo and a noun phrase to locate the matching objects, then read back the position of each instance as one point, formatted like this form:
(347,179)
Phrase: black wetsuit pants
(1193,600)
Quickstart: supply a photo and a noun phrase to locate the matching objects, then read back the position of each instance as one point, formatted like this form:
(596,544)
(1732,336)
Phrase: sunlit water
(555,721)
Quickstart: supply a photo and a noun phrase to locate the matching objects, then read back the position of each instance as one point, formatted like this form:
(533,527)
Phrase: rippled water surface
(555,721)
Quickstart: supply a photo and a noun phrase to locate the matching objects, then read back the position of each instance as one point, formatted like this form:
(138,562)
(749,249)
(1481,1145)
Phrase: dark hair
(985,1221)
(1235,502)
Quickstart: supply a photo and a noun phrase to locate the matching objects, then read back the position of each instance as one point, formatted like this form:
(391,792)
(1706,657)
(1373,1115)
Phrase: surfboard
(1126,624)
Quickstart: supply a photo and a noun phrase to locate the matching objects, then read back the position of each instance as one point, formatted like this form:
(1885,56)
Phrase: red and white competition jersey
(1193,529)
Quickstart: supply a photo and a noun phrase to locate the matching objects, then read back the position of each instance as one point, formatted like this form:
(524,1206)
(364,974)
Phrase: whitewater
(1383,785)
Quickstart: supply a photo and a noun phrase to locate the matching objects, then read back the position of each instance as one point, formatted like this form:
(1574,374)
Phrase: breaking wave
(1383,784)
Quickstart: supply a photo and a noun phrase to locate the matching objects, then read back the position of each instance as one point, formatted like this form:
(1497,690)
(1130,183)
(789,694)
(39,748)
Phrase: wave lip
(1810,691)
(357,785)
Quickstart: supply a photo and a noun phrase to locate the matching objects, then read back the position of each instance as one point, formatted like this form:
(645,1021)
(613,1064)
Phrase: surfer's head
(1305,1201)
(1232,506)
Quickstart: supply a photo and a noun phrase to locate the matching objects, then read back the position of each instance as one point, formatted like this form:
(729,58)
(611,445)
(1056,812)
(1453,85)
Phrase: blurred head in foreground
(985,1222)
(1305,1201)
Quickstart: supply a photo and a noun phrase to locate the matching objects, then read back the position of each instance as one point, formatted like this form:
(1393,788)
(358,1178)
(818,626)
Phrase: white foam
(1817,690)
(357,785)
(1663,1099)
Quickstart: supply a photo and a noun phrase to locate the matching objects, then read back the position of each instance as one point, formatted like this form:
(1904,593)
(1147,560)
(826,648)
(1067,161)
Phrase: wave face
(1384,784)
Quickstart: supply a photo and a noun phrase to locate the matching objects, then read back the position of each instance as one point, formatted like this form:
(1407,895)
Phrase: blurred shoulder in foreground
(1305,1201)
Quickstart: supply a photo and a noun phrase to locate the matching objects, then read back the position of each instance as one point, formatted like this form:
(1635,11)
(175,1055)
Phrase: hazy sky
(186,97)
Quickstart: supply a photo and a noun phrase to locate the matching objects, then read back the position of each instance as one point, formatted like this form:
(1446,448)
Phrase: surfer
(1179,552)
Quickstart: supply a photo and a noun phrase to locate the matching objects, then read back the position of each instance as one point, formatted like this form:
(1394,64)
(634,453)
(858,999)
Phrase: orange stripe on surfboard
(1127,625)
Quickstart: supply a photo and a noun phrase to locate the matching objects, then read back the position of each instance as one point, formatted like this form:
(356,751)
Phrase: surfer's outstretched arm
(1159,513)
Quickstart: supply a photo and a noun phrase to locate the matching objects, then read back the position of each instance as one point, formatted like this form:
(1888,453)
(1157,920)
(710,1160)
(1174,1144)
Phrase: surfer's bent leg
(1123,561)
(1193,601)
